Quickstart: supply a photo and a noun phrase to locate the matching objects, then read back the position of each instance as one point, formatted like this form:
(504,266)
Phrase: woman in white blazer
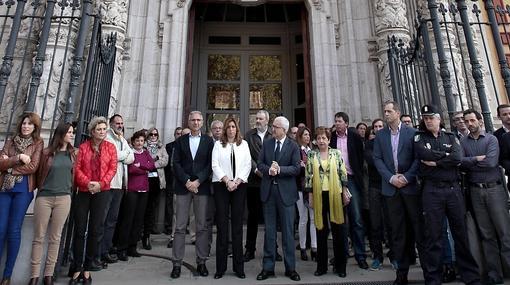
(231,165)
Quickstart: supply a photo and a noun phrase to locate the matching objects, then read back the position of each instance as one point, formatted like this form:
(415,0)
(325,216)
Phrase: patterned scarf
(153,148)
(20,145)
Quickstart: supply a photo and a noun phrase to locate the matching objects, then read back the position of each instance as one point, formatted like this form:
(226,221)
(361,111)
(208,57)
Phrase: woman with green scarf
(326,180)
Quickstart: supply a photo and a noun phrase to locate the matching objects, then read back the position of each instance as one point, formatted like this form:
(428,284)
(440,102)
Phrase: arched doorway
(249,58)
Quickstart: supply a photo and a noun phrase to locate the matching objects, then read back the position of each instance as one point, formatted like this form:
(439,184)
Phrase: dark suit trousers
(226,202)
(152,206)
(274,208)
(405,213)
(254,213)
(131,222)
(338,233)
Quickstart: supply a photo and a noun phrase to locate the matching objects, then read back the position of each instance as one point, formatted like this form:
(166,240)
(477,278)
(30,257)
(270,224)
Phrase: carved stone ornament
(317,4)
(180,3)
(390,14)
(337,36)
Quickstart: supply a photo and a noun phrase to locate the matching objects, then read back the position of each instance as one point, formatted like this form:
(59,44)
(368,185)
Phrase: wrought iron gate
(476,42)
(43,45)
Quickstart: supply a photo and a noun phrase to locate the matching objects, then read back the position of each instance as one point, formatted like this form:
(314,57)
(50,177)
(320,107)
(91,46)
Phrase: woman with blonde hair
(95,168)
(19,160)
(326,180)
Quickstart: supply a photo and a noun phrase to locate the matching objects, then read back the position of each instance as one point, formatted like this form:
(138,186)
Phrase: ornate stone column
(390,20)
(114,19)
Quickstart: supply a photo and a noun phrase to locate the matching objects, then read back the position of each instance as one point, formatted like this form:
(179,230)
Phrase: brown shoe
(33,281)
(48,280)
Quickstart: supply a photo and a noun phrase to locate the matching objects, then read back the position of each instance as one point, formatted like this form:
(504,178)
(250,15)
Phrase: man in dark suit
(169,191)
(351,145)
(255,138)
(395,160)
(504,116)
(279,164)
(192,169)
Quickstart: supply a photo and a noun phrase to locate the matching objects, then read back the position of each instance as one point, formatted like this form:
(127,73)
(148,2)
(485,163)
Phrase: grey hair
(193,113)
(96,121)
(266,113)
(216,122)
(284,121)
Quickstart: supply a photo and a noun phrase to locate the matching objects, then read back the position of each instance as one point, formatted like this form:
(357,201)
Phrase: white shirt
(262,135)
(194,142)
(221,165)
(281,143)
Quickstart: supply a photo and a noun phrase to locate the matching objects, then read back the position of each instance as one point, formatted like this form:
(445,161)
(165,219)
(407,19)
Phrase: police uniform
(443,198)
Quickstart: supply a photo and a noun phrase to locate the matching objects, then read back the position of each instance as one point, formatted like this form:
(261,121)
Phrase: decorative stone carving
(337,36)
(390,14)
(161,28)
(114,12)
(317,4)
(181,3)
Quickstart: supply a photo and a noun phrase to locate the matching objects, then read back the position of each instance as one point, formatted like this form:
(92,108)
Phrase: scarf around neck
(20,145)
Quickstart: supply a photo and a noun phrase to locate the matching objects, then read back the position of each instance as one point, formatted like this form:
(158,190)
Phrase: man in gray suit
(192,169)
(279,164)
(395,160)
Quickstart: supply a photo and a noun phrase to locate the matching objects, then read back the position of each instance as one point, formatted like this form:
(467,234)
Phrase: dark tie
(277,151)
(233,162)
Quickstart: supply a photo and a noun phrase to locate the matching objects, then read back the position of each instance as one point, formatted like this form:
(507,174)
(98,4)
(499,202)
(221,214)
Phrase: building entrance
(246,59)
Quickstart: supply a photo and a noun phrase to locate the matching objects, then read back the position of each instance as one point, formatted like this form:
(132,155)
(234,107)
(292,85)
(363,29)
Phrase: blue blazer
(407,162)
(289,169)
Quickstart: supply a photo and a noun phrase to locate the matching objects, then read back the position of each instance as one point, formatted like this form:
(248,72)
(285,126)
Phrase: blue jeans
(357,230)
(13,206)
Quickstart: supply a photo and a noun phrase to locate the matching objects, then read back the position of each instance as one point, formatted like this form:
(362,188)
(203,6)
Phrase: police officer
(440,154)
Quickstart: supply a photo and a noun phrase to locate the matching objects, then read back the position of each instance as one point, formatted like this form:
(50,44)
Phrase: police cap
(429,110)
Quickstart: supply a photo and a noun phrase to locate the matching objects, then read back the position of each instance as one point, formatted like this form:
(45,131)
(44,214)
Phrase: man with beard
(125,156)
(504,116)
(487,192)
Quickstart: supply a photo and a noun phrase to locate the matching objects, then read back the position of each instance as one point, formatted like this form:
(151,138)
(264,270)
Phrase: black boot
(146,242)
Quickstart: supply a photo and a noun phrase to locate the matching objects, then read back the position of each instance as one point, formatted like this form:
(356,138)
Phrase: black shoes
(110,258)
(401,279)
(218,275)
(304,256)
(202,270)
(313,254)
(342,274)
(48,280)
(363,264)
(263,275)
(176,272)
(122,255)
(33,281)
(449,274)
(278,257)
(146,242)
(320,272)
(293,275)
(133,252)
(249,255)
(240,275)
(94,266)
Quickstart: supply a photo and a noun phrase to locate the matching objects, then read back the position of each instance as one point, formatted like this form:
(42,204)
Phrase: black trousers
(89,212)
(112,216)
(132,218)
(152,206)
(338,232)
(438,204)
(232,202)
(379,224)
(254,214)
(405,214)
(169,208)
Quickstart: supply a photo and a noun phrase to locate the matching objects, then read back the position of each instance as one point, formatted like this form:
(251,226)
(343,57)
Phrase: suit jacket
(169,175)
(185,167)
(355,153)
(407,162)
(255,145)
(289,163)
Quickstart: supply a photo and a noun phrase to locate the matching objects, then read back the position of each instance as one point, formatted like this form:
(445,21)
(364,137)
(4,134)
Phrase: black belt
(442,184)
(486,185)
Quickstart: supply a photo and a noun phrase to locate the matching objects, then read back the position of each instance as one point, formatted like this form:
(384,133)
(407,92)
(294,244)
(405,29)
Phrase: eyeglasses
(153,135)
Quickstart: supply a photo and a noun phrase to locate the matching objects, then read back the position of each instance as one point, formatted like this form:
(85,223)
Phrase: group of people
(414,193)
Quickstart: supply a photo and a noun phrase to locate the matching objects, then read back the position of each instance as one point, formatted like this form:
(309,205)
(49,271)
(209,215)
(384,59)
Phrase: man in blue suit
(279,164)
(395,160)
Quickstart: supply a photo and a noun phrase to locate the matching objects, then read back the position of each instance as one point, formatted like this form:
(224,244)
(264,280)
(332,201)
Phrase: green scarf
(336,213)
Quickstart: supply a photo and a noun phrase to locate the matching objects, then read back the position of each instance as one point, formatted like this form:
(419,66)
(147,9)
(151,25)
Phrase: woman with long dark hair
(95,167)
(53,202)
(19,160)
(304,208)
(231,165)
